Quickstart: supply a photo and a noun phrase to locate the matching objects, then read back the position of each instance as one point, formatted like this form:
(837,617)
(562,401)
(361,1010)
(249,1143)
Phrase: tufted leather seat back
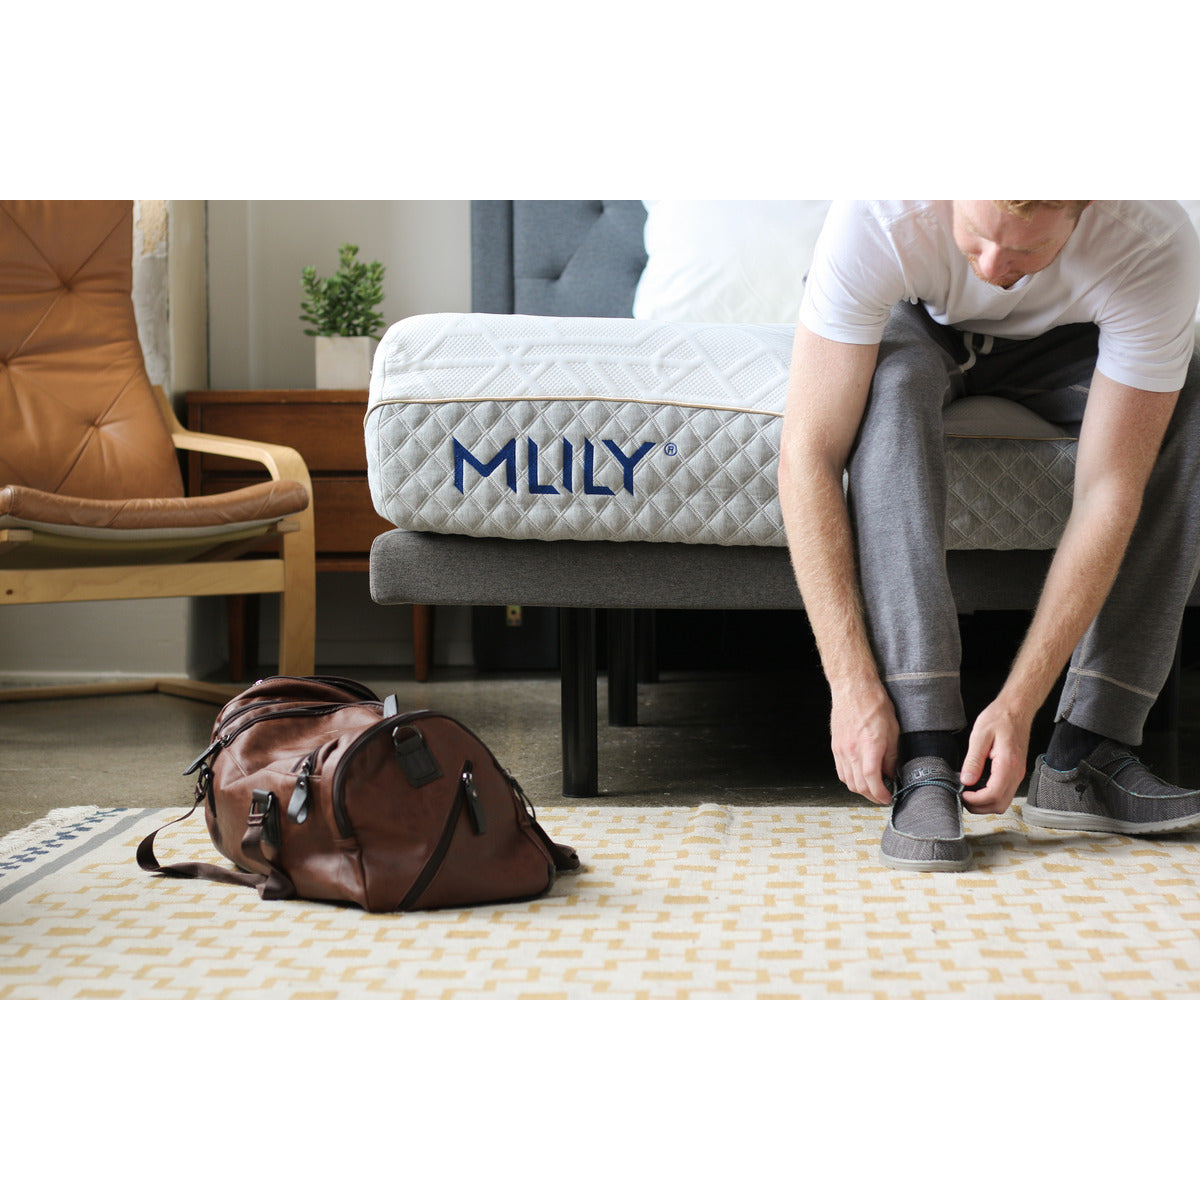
(77,413)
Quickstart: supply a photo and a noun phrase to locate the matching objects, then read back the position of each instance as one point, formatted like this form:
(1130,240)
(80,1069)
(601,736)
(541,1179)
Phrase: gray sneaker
(1111,791)
(925,830)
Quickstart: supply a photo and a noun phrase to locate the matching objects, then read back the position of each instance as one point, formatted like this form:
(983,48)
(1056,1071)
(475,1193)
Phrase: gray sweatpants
(897,495)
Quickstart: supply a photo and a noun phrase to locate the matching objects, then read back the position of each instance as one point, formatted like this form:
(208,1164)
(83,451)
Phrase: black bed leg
(622,666)
(577,641)
(647,645)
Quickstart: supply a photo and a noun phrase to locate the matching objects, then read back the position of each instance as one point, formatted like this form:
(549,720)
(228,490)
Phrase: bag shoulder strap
(271,886)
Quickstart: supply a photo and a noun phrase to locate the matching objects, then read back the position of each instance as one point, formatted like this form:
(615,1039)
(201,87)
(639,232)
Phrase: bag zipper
(356,690)
(340,681)
(466,790)
(340,816)
(225,738)
(345,828)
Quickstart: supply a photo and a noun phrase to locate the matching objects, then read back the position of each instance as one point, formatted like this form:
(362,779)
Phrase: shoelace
(1110,770)
(928,781)
(1114,768)
(1117,766)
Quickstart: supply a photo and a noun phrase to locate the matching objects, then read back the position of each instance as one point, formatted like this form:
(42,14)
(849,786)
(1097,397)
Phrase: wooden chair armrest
(281,462)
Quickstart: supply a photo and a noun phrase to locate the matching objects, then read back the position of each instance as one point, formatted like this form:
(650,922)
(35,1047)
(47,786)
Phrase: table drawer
(344,519)
(328,436)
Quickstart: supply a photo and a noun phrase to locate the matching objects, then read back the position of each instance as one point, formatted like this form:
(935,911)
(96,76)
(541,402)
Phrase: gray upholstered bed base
(584,258)
(452,569)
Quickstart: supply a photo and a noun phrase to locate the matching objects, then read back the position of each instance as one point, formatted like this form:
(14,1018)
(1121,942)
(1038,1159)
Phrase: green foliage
(345,304)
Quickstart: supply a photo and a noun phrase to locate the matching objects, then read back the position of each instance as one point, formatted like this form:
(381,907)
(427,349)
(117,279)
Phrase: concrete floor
(700,738)
(756,737)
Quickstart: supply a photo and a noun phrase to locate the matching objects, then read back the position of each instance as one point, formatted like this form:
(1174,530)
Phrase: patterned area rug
(680,903)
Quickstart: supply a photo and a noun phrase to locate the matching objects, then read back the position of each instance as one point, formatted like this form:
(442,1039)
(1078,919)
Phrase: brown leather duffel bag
(316,788)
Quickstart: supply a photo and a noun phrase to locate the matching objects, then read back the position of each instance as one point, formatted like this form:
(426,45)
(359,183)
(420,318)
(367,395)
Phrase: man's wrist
(1019,701)
(858,682)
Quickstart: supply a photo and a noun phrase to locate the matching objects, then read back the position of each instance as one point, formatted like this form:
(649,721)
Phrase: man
(1085,313)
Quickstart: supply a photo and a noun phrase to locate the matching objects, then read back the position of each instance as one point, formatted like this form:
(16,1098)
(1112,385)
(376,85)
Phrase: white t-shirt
(1132,267)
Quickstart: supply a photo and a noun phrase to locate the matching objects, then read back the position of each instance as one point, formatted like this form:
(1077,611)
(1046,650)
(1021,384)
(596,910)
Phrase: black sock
(1070,743)
(935,743)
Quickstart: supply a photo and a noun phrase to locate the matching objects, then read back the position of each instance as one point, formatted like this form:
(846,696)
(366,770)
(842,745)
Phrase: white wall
(245,332)
(256,249)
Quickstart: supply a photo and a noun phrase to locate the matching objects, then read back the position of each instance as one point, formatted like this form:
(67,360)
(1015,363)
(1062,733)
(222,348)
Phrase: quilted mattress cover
(613,429)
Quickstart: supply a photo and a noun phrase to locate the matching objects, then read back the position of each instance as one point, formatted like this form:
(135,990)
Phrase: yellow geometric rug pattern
(708,902)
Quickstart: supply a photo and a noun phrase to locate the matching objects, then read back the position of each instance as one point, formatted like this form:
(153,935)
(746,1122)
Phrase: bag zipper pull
(474,804)
(297,809)
(203,758)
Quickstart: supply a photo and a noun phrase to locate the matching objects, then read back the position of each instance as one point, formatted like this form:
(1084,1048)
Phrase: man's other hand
(865,737)
(999,737)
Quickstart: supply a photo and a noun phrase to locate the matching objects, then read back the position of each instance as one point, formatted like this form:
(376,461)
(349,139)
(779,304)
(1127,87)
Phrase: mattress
(612,429)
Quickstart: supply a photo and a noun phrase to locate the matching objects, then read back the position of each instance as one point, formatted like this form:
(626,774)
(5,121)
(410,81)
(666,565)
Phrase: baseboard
(31,679)
(190,689)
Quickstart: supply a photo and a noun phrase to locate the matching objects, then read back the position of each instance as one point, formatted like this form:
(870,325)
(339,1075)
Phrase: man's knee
(910,388)
(1185,421)
(1190,392)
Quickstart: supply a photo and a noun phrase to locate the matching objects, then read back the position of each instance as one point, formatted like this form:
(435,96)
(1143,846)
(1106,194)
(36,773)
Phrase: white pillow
(727,260)
(736,260)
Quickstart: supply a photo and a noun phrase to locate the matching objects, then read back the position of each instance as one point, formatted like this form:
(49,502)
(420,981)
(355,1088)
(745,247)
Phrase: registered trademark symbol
(670,449)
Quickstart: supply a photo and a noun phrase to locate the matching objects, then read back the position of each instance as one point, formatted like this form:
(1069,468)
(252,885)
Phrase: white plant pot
(344,362)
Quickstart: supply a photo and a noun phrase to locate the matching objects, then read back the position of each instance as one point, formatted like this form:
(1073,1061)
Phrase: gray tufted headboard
(567,258)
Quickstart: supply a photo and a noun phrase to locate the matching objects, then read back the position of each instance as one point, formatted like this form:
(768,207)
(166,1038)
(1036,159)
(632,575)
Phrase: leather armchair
(92,502)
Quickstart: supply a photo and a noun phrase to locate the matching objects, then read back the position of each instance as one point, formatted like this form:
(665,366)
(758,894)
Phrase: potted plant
(343,313)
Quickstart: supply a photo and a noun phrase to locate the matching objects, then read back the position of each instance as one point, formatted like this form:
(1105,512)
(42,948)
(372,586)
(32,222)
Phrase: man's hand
(1000,735)
(865,739)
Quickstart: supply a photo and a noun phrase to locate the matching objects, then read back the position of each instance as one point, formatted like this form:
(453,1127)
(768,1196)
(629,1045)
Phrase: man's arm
(826,398)
(1122,432)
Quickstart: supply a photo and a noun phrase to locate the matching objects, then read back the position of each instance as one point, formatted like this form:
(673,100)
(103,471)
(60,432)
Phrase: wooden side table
(326,427)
